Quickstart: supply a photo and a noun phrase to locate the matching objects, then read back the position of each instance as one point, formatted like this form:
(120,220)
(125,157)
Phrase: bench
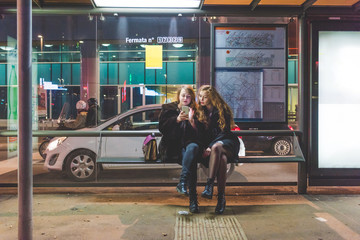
(297,157)
(272,159)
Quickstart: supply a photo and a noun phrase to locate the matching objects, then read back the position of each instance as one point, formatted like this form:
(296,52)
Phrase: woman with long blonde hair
(178,124)
(221,145)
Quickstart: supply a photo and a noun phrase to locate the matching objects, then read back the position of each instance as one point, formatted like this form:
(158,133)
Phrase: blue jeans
(189,166)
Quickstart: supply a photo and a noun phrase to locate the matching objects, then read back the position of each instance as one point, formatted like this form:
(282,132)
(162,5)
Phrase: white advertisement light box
(339,99)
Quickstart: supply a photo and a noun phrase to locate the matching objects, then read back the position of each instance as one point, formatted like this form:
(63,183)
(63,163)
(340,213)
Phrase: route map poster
(250,71)
(242,91)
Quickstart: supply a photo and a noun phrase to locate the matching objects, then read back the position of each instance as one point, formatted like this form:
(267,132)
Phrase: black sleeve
(201,132)
(167,122)
(227,123)
(90,118)
(219,134)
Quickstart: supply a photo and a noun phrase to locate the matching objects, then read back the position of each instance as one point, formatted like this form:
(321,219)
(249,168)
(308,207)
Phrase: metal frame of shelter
(24,25)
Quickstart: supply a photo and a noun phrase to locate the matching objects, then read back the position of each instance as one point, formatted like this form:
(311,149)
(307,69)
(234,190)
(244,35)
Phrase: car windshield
(144,120)
(110,118)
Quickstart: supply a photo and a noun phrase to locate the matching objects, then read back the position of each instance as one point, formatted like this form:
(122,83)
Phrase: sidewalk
(153,213)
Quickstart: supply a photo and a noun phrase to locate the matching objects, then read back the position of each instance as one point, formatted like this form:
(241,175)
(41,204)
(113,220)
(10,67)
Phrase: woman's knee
(217,148)
(193,147)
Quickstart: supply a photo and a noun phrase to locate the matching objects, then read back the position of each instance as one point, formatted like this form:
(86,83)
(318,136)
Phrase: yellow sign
(153,57)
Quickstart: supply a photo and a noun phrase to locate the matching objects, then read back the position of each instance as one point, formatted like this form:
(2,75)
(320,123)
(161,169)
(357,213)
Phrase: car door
(130,148)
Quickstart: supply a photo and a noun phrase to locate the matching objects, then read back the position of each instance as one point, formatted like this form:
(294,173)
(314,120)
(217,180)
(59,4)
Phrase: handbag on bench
(150,149)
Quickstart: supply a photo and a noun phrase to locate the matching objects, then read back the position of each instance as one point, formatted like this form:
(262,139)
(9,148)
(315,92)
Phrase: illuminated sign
(169,39)
(153,57)
(49,85)
(139,40)
(149,92)
(152,40)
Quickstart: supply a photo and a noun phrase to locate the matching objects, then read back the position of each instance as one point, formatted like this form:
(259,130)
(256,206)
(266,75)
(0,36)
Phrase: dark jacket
(213,133)
(93,116)
(175,135)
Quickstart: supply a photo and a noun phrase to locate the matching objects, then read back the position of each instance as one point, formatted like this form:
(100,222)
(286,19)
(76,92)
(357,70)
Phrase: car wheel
(281,147)
(80,165)
(229,170)
(43,147)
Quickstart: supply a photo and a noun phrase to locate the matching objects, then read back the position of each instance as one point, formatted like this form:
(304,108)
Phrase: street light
(41,42)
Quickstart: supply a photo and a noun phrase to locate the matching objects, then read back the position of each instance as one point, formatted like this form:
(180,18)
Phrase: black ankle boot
(181,188)
(209,189)
(220,207)
(193,207)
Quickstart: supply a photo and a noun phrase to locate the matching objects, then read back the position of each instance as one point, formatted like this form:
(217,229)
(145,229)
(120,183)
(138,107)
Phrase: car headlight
(55,143)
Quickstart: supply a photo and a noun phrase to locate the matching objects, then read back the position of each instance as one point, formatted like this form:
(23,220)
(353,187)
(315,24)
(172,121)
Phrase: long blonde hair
(191,92)
(217,101)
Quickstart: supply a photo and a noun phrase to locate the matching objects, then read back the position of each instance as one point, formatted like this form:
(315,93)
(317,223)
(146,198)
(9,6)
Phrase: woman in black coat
(222,146)
(180,140)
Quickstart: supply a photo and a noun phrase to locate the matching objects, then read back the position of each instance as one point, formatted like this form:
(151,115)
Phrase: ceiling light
(147,3)
(105,44)
(178,45)
(193,18)
(91,17)
(116,14)
(48,45)
(102,18)
(6,48)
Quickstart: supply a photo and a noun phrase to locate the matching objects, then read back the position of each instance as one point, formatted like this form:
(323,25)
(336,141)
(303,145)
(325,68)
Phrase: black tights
(218,166)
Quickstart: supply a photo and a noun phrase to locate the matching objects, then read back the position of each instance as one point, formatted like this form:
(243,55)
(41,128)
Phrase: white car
(77,156)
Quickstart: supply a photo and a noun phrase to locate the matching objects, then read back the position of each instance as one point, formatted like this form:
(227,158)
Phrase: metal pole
(50,105)
(25,180)
(302,167)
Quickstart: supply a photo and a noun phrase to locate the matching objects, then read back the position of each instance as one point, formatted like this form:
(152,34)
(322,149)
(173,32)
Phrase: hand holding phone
(185,109)
(184,114)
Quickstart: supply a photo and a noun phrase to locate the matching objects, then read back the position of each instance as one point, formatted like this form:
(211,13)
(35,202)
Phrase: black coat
(93,116)
(175,135)
(213,133)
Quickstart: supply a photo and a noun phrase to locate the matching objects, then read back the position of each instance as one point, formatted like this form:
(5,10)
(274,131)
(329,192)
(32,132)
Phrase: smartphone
(185,109)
